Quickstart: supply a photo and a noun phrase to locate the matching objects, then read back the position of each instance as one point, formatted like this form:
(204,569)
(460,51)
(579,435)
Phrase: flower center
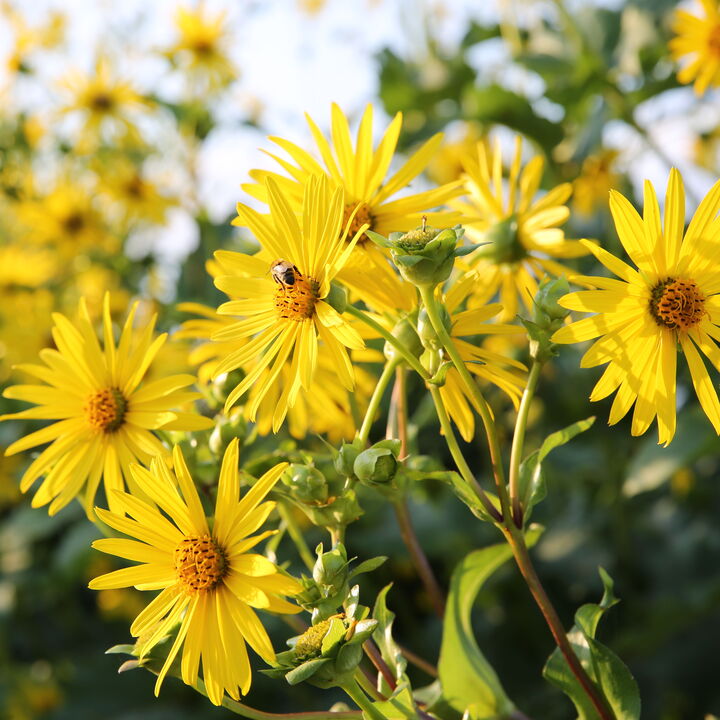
(677,304)
(362,216)
(102,101)
(713,41)
(200,563)
(105,409)
(296,301)
(74,222)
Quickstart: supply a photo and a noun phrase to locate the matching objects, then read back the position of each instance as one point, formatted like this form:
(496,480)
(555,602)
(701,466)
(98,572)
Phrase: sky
(293,62)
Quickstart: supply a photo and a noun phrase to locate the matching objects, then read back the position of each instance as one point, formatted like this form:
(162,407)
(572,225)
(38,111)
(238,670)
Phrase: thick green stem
(362,701)
(519,441)
(431,305)
(249,712)
(516,540)
(296,536)
(380,387)
(457,455)
(409,358)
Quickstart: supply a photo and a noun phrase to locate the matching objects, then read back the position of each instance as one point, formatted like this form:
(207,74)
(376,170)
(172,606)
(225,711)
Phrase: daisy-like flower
(104,417)
(369,193)
(597,177)
(210,582)
(519,232)
(672,298)
(202,46)
(283,301)
(698,40)
(104,100)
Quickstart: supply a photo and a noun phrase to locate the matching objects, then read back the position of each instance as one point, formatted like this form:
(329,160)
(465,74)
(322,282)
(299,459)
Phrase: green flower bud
(224,384)
(345,458)
(549,317)
(376,465)
(406,334)
(425,256)
(331,568)
(426,332)
(226,429)
(307,484)
(502,243)
(337,298)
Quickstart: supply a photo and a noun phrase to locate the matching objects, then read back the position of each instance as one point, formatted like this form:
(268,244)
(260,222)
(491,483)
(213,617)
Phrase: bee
(284,273)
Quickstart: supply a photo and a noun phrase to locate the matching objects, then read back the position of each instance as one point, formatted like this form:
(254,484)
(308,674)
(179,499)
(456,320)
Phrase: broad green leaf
(563,436)
(367,566)
(469,683)
(400,706)
(602,665)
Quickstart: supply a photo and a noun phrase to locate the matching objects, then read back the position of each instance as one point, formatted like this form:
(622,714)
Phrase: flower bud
(549,317)
(345,458)
(331,568)
(226,429)
(407,336)
(378,464)
(425,256)
(307,484)
(426,331)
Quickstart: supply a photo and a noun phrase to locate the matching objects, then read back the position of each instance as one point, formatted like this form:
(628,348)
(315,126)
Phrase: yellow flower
(671,298)
(368,192)
(447,164)
(106,102)
(699,39)
(202,46)
(29,39)
(520,233)
(22,266)
(210,583)
(503,372)
(284,301)
(104,418)
(597,177)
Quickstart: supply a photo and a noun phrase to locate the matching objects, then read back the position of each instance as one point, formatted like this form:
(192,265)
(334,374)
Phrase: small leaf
(377,238)
(367,566)
(469,683)
(305,671)
(333,637)
(390,652)
(563,436)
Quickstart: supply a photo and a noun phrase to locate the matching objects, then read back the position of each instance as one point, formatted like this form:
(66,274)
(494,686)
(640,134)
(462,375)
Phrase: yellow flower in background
(106,102)
(104,417)
(370,192)
(28,39)
(597,178)
(283,301)
(211,584)
(203,45)
(697,40)
(519,231)
(67,217)
(671,298)
(505,373)
(23,266)
(447,163)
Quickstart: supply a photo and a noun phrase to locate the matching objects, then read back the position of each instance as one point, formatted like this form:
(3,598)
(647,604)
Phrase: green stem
(516,540)
(376,398)
(409,358)
(361,700)
(431,305)
(250,712)
(519,440)
(296,536)
(457,455)
(354,409)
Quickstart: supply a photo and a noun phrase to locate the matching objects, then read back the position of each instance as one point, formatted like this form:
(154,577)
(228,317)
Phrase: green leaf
(495,104)
(400,706)
(532,488)
(368,565)
(306,670)
(469,683)
(390,652)
(602,665)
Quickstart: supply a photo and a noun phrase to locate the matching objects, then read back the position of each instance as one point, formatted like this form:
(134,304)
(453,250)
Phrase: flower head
(597,177)
(368,196)
(671,298)
(698,38)
(210,582)
(520,234)
(284,302)
(104,417)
